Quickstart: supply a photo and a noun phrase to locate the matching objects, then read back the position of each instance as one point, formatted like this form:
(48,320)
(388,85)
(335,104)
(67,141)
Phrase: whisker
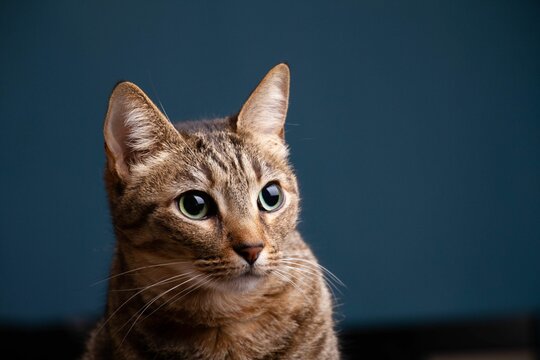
(134,295)
(193,287)
(164,112)
(284,277)
(137,269)
(312,271)
(331,274)
(173,279)
(300,267)
(299,276)
(157,96)
(170,301)
(329,280)
(147,305)
(318,266)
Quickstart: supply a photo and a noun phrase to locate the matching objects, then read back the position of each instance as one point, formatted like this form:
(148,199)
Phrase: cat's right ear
(265,111)
(134,128)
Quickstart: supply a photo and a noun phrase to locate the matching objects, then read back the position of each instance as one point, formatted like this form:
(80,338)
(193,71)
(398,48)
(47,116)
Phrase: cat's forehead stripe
(216,159)
(208,173)
(256,165)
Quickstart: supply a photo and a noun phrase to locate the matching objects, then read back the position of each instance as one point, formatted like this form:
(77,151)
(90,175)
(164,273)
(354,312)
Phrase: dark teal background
(414,127)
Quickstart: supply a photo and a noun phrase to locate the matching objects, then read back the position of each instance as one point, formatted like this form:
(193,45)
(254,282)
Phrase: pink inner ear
(134,127)
(129,126)
(265,111)
(115,133)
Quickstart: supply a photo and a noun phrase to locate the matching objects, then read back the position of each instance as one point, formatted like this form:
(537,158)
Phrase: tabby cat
(208,262)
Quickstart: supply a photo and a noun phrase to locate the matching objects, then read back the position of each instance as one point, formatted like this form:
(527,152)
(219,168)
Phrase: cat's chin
(242,283)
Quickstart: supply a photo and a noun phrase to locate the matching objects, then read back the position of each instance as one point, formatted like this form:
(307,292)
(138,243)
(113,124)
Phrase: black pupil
(194,204)
(270,195)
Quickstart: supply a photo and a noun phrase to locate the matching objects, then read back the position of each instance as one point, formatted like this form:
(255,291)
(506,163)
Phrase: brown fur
(177,289)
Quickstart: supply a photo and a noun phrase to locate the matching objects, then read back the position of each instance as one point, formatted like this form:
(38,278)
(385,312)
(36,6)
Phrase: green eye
(270,197)
(196,205)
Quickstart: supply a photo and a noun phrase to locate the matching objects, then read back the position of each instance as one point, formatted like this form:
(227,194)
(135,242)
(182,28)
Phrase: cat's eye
(196,205)
(270,197)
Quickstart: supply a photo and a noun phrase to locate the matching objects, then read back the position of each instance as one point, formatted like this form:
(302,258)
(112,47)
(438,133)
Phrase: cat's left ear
(265,110)
(134,129)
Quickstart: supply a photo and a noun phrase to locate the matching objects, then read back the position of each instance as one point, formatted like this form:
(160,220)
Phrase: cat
(208,263)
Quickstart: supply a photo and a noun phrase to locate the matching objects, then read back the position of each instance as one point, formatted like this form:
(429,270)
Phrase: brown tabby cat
(208,261)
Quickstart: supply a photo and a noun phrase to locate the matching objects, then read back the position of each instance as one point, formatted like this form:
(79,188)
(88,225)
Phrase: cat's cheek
(286,214)
(287,222)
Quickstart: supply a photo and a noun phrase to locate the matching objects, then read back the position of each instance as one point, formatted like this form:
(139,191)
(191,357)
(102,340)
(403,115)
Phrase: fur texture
(178,289)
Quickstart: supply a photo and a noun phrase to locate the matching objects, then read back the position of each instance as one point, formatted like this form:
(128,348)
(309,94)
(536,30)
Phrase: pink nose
(250,252)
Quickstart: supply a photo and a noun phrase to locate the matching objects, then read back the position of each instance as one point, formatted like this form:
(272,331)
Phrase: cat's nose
(250,252)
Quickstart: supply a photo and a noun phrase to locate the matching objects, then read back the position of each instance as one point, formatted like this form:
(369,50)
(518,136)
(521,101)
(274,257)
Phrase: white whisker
(315,271)
(313,263)
(312,271)
(172,279)
(147,305)
(137,269)
(179,276)
(330,279)
(193,287)
(283,276)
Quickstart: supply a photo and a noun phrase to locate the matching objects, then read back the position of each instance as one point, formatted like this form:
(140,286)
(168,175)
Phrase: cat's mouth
(247,280)
(244,279)
(246,272)
(252,272)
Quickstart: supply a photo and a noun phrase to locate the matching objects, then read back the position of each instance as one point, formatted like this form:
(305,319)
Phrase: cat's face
(213,200)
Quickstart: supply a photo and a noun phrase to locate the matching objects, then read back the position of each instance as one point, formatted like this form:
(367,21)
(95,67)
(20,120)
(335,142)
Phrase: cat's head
(215,199)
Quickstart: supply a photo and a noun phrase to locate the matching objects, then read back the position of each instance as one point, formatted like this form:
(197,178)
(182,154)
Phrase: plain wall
(414,128)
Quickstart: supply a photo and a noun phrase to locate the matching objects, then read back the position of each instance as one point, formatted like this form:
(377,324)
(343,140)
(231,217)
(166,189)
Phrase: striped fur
(177,289)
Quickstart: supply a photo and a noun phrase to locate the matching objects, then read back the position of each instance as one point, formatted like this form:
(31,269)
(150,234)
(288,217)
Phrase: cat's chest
(246,342)
(237,341)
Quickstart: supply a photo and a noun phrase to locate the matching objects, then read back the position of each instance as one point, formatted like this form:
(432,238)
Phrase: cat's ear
(134,128)
(266,108)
